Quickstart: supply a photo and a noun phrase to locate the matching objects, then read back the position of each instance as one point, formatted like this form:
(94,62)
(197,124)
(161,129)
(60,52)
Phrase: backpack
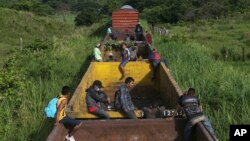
(51,108)
(157,56)
(117,102)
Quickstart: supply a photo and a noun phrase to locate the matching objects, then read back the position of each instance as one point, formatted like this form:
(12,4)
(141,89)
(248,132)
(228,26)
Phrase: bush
(39,45)
(42,9)
(87,17)
(248,56)
(230,53)
(36,7)
(21,6)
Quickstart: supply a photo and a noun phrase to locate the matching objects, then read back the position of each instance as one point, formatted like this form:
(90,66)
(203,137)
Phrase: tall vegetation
(224,91)
(31,76)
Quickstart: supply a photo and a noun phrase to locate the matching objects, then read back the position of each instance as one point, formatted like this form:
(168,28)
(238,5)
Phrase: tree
(87,17)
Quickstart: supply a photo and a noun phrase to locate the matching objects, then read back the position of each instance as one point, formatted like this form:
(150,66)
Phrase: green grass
(25,25)
(214,34)
(32,77)
(231,33)
(37,76)
(224,90)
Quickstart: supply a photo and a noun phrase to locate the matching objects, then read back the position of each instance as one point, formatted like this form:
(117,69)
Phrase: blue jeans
(129,114)
(189,126)
(69,122)
(155,65)
(124,62)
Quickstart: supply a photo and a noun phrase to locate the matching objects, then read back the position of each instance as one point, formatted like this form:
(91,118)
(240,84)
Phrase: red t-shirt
(149,38)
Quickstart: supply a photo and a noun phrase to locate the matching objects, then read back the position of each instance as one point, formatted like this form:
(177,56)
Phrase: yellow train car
(164,89)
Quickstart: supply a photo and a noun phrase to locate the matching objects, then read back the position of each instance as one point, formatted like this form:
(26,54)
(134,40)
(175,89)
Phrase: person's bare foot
(122,77)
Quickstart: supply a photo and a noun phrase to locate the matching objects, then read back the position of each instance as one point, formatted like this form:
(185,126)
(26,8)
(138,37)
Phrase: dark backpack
(117,102)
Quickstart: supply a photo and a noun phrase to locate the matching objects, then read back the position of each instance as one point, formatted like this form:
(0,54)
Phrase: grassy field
(223,86)
(218,37)
(16,25)
(30,77)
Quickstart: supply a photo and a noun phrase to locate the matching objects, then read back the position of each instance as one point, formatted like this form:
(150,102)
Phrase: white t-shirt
(97,54)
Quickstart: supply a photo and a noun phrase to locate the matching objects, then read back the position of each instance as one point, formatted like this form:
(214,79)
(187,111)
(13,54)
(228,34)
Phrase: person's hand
(170,118)
(109,100)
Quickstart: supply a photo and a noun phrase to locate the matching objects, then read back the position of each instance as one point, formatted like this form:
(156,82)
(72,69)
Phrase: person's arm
(200,106)
(59,109)
(123,99)
(95,96)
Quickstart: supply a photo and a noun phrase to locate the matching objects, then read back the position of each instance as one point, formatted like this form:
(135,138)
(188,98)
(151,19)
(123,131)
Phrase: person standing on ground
(125,59)
(71,124)
(126,105)
(192,109)
(94,98)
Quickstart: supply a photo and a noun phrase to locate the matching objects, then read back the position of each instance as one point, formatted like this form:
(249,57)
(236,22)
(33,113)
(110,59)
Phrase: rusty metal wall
(125,18)
(124,130)
(168,87)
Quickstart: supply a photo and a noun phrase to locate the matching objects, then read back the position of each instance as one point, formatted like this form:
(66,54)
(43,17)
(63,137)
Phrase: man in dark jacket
(139,32)
(127,106)
(192,108)
(93,99)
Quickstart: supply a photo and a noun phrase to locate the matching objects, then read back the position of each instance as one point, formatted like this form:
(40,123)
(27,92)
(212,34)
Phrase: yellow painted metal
(112,114)
(109,74)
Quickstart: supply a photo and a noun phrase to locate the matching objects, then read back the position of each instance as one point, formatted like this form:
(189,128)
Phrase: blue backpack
(51,108)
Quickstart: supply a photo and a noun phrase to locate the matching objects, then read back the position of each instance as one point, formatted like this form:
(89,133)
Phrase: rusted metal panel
(123,16)
(131,130)
(124,130)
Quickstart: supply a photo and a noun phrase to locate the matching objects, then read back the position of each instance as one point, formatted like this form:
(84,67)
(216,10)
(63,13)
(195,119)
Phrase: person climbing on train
(154,59)
(123,100)
(125,59)
(71,124)
(192,108)
(139,32)
(97,53)
(94,98)
(149,39)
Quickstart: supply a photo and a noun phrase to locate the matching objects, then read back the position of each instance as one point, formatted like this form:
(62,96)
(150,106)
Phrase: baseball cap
(98,83)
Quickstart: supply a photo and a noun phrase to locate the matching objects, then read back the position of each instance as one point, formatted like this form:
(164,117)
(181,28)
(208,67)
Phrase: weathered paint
(125,18)
(130,130)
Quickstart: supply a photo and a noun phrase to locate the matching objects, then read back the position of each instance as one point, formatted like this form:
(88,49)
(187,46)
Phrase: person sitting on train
(127,38)
(125,59)
(93,99)
(71,124)
(139,32)
(154,59)
(97,53)
(123,101)
(191,106)
(109,32)
(153,111)
(149,38)
(133,52)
